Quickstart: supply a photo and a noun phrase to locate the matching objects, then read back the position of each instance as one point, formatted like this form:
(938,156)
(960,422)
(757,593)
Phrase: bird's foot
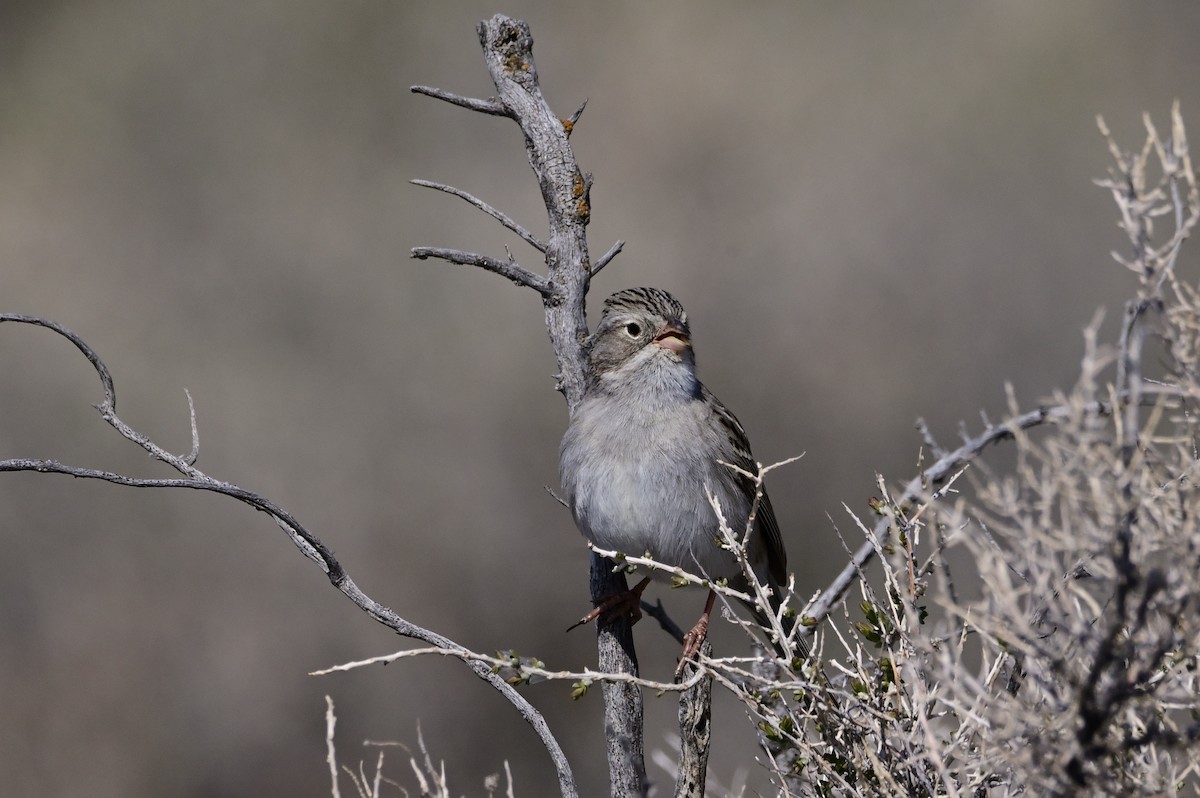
(691,644)
(695,638)
(626,604)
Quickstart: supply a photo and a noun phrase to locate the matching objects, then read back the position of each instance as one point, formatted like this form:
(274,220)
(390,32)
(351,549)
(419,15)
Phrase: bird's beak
(672,338)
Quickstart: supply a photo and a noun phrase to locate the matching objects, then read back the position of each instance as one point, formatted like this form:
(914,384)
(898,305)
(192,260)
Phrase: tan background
(871,211)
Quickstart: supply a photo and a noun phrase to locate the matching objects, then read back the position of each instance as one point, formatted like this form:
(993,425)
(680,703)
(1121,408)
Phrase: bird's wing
(740,456)
(776,554)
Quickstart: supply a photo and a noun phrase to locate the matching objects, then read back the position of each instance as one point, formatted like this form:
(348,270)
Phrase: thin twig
(521,670)
(816,612)
(679,575)
(510,269)
(573,120)
(193,455)
(556,497)
(607,257)
(489,106)
(330,752)
(106,381)
(498,215)
(306,541)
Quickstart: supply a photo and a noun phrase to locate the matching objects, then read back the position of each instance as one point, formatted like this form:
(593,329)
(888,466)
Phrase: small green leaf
(770,732)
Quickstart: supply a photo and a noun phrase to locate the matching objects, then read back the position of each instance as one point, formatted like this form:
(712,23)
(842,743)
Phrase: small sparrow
(646,443)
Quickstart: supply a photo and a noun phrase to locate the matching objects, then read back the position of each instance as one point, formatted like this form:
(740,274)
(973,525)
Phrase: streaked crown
(653,300)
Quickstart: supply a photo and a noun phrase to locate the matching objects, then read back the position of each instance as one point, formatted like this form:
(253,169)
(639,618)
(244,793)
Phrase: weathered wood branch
(505,268)
(931,477)
(508,53)
(489,106)
(695,731)
(503,218)
(308,543)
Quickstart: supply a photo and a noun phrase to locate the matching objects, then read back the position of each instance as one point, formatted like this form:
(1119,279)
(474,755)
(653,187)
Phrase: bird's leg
(628,602)
(695,638)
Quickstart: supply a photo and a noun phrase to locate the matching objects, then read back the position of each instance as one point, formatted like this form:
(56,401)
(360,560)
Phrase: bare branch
(110,393)
(623,710)
(489,106)
(194,454)
(499,216)
(508,53)
(330,751)
(306,541)
(678,575)
(944,468)
(510,269)
(573,120)
(607,257)
(927,436)
(556,497)
(695,730)
(522,669)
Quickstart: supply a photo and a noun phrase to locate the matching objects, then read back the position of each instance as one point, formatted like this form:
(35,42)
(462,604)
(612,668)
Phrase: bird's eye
(634,329)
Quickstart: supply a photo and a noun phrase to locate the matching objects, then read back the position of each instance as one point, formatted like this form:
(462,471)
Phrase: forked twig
(306,541)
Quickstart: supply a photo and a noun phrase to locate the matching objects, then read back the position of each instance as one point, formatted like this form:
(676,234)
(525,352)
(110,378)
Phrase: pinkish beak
(673,339)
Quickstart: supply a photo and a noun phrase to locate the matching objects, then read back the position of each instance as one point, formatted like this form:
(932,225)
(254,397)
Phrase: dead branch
(306,541)
(508,52)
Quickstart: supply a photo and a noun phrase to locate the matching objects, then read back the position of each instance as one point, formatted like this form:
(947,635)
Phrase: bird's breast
(636,482)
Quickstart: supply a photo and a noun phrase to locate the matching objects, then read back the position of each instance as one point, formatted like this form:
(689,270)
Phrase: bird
(646,445)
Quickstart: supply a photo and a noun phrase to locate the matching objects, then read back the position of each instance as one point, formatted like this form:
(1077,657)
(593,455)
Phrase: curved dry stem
(935,475)
(495,213)
(306,541)
(509,268)
(106,381)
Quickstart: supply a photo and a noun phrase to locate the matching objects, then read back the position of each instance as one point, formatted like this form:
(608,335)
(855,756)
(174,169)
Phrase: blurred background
(872,212)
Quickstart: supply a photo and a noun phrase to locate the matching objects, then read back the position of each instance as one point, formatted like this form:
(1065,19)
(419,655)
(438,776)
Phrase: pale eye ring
(633,329)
